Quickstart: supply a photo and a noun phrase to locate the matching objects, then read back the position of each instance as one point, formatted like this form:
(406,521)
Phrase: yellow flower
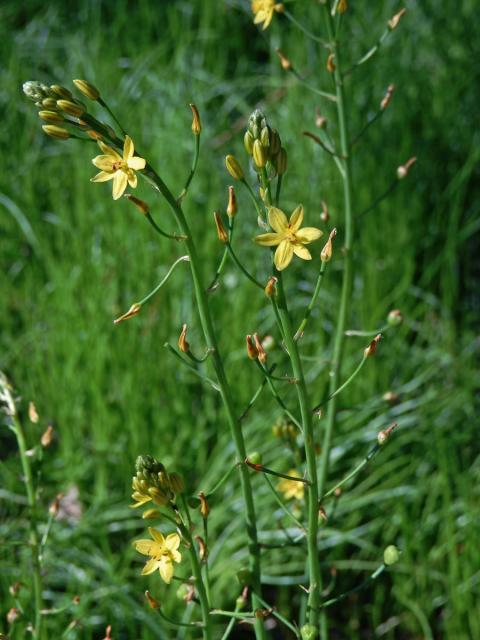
(291,488)
(163,552)
(264,10)
(288,236)
(120,170)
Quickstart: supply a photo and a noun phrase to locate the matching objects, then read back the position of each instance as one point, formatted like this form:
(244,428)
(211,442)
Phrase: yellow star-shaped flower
(289,237)
(291,488)
(117,168)
(264,10)
(163,552)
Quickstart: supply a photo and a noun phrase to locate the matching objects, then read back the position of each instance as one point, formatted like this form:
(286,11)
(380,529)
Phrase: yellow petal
(165,566)
(308,234)
(150,566)
(176,555)
(128,148)
(283,255)
(268,19)
(140,499)
(132,179)
(302,252)
(277,220)
(147,547)
(119,184)
(268,239)
(136,163)
(103,176)
(296,218)
(109,151)
(157,536)
(260,17)
(104,162)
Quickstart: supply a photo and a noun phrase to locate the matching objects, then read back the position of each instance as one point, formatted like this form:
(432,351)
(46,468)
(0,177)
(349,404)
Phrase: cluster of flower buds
(152,482)
(264,145)
(284,429)
(61,111)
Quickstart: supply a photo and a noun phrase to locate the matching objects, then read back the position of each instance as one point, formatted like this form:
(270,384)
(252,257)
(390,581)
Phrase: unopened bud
(324,216)
(252,351)
(280,162)
(372,347)
(151,514)
(308,632)
(342,6)
(248,140)
(270,289)
(284,61)
(326,254)
(402,171)
(204,507)
(58,133)
(331,63)
(133,311)
(232,207)
(234,168)
(391,555)
(88,90)
(153,602)
(183,345)
(387,97)
(393,23)
(221,231)
(32,413)
(176,482)
(196,123)
(61,92)
(395,318)
(140,204)
(262,356)
(47,436)
(385,434)
(265,137)
(51,116)
(260,154)
(75,109)
(49,103)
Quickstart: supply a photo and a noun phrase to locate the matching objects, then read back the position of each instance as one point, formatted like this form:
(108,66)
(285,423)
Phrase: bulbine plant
(302,493)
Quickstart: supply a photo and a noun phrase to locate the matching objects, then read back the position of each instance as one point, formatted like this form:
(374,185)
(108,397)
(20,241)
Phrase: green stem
(213,285)
(300,26)
(164,280)
(282,505)
(371,454)
(341,387)
(242,268)
(170,236)
(378,572)
(196,155)
(225,390)
(301,329)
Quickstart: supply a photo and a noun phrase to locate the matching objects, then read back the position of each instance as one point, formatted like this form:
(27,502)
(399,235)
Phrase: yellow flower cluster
(120,169)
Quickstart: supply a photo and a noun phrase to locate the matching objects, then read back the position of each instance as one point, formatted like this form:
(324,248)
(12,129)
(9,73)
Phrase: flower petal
(136,163)
(165,567)
(277,220)
(109,151)
(140,499)
(283,255)
(302,252)
(268,239)
(176,555)
(128,148)
(150,566)
(172,541)
(157,536)
(268,19)
(132,179)
(146,547)
(120,181)
(296,218)
(308,234)
(104,162)
(260,17)
(103,176)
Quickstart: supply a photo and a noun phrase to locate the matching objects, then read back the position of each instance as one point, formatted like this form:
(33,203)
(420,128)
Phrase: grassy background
(72,260)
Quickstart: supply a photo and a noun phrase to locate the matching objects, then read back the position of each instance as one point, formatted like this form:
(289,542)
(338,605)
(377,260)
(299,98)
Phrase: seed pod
(59,133)
(308,632)
(391,555)
(234,168)
(395,318)
(260,155)
(88,90)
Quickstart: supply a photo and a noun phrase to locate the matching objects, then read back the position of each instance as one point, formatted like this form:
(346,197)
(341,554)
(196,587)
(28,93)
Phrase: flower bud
(133,311)
(196,123)
(284,61)
(402,171)
(183,345)
(251,348)
(385,434)
(372,347)
(176,482)
(221,231)
(51,116)
(154,604)
(270,289)
(234,168)
(75,109)
(393,23)
(159,496)
(324,216)
(47,437)
(204,506)
(256,122)
(61,92)
(331,63)
(32,413)
(391,555)
(395,318)
(255,457)
(232,207)
(248,140)
(260,154)
(280,162)
(88,90)
(140,204)
(275,142)
(387,97)
(151,514)
(308,632)
(35,91)
(59,133)
(326,254)
(342,6)
(262,356)
(265,137)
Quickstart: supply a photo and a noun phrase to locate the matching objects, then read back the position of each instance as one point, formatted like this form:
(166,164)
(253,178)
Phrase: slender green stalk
(370,455)
(378,572)
(282,505)
(196,155)
(225,390)
(34,542)
(301,329)
(164,280)
(342,386)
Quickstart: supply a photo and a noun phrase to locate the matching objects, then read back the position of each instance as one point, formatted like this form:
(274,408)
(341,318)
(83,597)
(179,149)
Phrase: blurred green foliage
(72,260)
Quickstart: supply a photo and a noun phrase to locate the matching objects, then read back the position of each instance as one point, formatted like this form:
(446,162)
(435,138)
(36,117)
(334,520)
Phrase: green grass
(73,260)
